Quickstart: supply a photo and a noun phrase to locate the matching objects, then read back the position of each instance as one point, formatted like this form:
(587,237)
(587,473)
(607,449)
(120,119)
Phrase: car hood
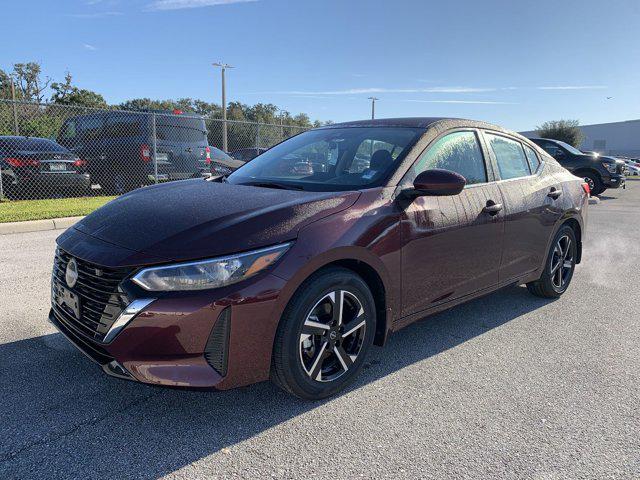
(195,219)
(613,160)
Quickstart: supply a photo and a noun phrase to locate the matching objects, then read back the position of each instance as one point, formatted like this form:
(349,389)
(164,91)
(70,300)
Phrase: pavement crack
(7,457)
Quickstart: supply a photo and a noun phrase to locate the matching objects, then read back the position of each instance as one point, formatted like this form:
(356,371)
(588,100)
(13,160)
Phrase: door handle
(554,193)
(492,208)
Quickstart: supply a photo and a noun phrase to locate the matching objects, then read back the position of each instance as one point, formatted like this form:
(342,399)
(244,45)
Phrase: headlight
(213,273)
(612,167)
(221,169)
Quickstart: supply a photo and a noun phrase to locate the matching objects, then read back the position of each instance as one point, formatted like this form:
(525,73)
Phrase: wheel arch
(577,230)
(364,264)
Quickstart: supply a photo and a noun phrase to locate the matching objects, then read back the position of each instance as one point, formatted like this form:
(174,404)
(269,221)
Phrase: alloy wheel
(332,336)
(562,262)
(591,183)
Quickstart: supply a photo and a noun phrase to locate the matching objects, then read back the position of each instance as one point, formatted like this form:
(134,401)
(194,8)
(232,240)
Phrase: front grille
(101,301)
(217,349)
(89,348)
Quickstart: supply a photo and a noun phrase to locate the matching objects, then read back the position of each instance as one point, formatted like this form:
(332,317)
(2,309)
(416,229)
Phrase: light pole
(223,67)
(373,107)
(13,102)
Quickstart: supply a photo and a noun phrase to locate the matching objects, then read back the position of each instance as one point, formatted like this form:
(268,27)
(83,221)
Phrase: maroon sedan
(293,275)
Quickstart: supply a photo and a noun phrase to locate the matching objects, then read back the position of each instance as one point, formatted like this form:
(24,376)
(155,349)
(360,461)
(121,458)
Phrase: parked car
(118,147)
(599,172)
(247,154)
(632,167)
(221,163)
(32,167)
(294,278)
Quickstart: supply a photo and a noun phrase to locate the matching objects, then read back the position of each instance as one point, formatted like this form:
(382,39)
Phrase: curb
(38,225)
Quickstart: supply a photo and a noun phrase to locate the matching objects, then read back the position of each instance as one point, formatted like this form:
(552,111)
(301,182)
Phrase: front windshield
(568,147)
(330,159)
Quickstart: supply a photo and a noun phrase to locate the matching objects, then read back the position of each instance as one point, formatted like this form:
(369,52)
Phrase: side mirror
(559,154)
(438,182)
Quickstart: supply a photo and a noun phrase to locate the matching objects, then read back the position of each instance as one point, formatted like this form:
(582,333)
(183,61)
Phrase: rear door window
(532,156)
(510,157)
(458,152)
(123,127)
(180,134)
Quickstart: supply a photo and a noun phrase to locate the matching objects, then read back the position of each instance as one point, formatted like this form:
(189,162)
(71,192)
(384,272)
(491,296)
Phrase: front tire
(560,265)
(324,335)
(595,183)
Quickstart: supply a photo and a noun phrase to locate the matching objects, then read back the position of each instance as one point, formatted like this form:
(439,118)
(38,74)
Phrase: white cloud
(465,102)
(89,47)
(365,91)
(181,4)
(94,15)
(574,87)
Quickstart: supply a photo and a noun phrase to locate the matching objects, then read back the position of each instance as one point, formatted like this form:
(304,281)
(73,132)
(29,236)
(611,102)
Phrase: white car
(633,171)
(632,168)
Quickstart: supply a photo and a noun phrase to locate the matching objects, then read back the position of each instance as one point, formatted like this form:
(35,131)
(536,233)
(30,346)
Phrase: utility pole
(223,67)
(373,107)
(281,112)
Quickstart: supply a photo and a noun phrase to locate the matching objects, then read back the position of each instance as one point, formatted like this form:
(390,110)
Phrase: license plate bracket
(65,297)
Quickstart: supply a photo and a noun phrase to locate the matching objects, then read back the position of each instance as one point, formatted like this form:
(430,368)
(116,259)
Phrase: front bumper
(175,340)
(614,181)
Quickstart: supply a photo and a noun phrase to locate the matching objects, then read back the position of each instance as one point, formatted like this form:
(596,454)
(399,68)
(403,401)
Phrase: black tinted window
(116,127)
(86,128)
(551,148)
(510,157)
(180,134)
(458,152)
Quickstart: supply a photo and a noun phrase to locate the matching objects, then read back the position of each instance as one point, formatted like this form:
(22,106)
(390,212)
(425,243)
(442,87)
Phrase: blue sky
(516,63)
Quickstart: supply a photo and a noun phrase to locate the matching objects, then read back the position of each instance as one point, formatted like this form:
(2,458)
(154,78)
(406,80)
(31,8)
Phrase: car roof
(440,123)
(415,122)
(422,122)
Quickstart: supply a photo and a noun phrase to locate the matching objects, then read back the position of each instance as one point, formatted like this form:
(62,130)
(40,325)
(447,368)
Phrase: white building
(616,138)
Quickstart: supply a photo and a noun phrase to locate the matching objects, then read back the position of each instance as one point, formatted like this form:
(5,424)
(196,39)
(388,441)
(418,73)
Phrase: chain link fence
(59,151)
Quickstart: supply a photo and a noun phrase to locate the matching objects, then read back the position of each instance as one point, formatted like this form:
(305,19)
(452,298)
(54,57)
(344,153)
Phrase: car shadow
(60,413)
(604,198)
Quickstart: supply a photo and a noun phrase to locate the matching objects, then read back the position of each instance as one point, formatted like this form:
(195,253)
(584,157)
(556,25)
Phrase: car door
(451,245)
(532,205)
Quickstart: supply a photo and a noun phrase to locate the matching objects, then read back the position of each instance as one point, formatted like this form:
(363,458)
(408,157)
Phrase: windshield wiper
(281,186)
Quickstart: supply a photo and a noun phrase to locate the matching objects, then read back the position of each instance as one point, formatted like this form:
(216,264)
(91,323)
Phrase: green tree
(29,81)
(68,94)
(567,131)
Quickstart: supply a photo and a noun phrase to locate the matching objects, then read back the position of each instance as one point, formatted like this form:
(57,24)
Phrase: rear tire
(324,335)
(559,267)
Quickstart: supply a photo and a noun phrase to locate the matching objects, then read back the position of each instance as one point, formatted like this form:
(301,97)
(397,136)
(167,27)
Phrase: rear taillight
(145,153)
(207,152)
(22,162)
(585,187)
(78,162)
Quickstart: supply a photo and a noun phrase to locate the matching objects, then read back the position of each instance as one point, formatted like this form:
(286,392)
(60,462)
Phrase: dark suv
(118,147)
(599,172)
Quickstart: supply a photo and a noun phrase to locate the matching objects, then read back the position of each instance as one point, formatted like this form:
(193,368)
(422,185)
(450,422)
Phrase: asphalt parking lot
(508,386)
